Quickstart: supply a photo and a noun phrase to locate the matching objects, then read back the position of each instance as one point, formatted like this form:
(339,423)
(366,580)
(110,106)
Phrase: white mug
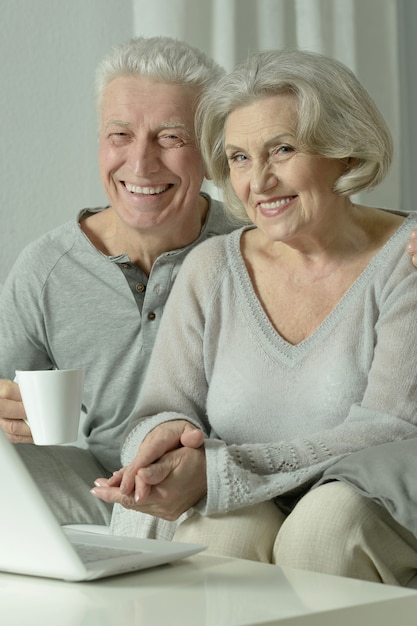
(52,400)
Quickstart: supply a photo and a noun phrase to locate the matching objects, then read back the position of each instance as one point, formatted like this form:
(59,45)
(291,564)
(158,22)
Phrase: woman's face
(286,193)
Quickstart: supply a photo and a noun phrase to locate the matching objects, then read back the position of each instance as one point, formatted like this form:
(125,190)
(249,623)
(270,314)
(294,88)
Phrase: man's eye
(117,135)
(171,140)
(119,138)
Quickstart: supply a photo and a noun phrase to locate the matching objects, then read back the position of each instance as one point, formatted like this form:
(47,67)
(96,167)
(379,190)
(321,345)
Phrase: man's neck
(111,237)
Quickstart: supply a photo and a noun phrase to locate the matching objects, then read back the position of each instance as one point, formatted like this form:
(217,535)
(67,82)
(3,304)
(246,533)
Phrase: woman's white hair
(336,117)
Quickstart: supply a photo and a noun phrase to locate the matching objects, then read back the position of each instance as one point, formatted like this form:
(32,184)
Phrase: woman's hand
(167,476)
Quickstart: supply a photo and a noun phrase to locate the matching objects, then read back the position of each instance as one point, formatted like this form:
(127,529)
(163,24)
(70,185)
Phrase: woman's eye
(282,151)
(237,158)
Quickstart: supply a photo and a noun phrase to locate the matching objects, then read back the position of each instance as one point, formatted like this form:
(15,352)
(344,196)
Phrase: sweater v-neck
(259,319)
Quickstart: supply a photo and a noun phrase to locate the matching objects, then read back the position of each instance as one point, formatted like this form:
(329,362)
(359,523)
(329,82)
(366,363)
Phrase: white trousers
(333,530)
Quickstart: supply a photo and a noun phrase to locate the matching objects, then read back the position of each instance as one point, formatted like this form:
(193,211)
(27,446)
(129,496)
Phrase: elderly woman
(287,343)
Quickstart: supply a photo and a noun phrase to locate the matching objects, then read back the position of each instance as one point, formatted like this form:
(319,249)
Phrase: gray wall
(49,50)
(48,149)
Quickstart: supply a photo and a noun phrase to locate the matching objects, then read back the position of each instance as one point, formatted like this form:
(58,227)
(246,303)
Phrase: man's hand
(412,247)
(167,476)
(12,413)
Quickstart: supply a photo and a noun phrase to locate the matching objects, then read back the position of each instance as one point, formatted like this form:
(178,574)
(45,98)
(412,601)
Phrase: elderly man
(91,293)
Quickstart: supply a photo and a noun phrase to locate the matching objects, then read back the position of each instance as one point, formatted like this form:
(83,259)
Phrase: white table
(206,591)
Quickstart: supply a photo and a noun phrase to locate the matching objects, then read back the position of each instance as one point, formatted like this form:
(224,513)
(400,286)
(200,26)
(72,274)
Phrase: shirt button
(140,287)
(151,316)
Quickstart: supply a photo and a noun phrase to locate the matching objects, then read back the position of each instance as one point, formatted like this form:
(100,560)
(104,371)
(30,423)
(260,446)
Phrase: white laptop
(32,541)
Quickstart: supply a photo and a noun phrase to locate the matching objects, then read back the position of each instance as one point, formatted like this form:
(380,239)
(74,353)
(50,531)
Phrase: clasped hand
(167,475)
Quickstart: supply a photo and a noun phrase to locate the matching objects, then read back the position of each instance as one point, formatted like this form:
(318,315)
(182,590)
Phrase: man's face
(149,164)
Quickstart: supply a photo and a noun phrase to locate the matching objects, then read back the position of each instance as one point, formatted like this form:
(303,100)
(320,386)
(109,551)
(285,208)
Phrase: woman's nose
(263,178)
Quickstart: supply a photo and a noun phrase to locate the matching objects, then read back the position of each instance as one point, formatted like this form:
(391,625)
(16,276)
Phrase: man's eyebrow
(120,123)
(176,125)
(162,125)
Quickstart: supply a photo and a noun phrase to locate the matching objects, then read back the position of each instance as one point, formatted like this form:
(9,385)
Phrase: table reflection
(198,591)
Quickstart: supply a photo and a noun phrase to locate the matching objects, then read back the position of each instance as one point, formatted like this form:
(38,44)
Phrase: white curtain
(363,34)
(407,44)
(229,29)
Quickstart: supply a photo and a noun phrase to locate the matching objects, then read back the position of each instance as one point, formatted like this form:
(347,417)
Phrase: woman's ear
(351,162)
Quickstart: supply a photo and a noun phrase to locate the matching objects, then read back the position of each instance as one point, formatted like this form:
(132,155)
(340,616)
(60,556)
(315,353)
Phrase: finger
(192,438)
(412,246)
(9,390)
(112,495)
(11,405)
(158,442)
(101,482)
(147,477)
(157,472)
(127,484)
(116,478)
(162,439)
(152,475)
(16,430)
(147,451)
(142,490)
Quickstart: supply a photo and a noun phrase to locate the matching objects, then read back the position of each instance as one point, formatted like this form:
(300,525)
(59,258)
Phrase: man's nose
(143,158)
